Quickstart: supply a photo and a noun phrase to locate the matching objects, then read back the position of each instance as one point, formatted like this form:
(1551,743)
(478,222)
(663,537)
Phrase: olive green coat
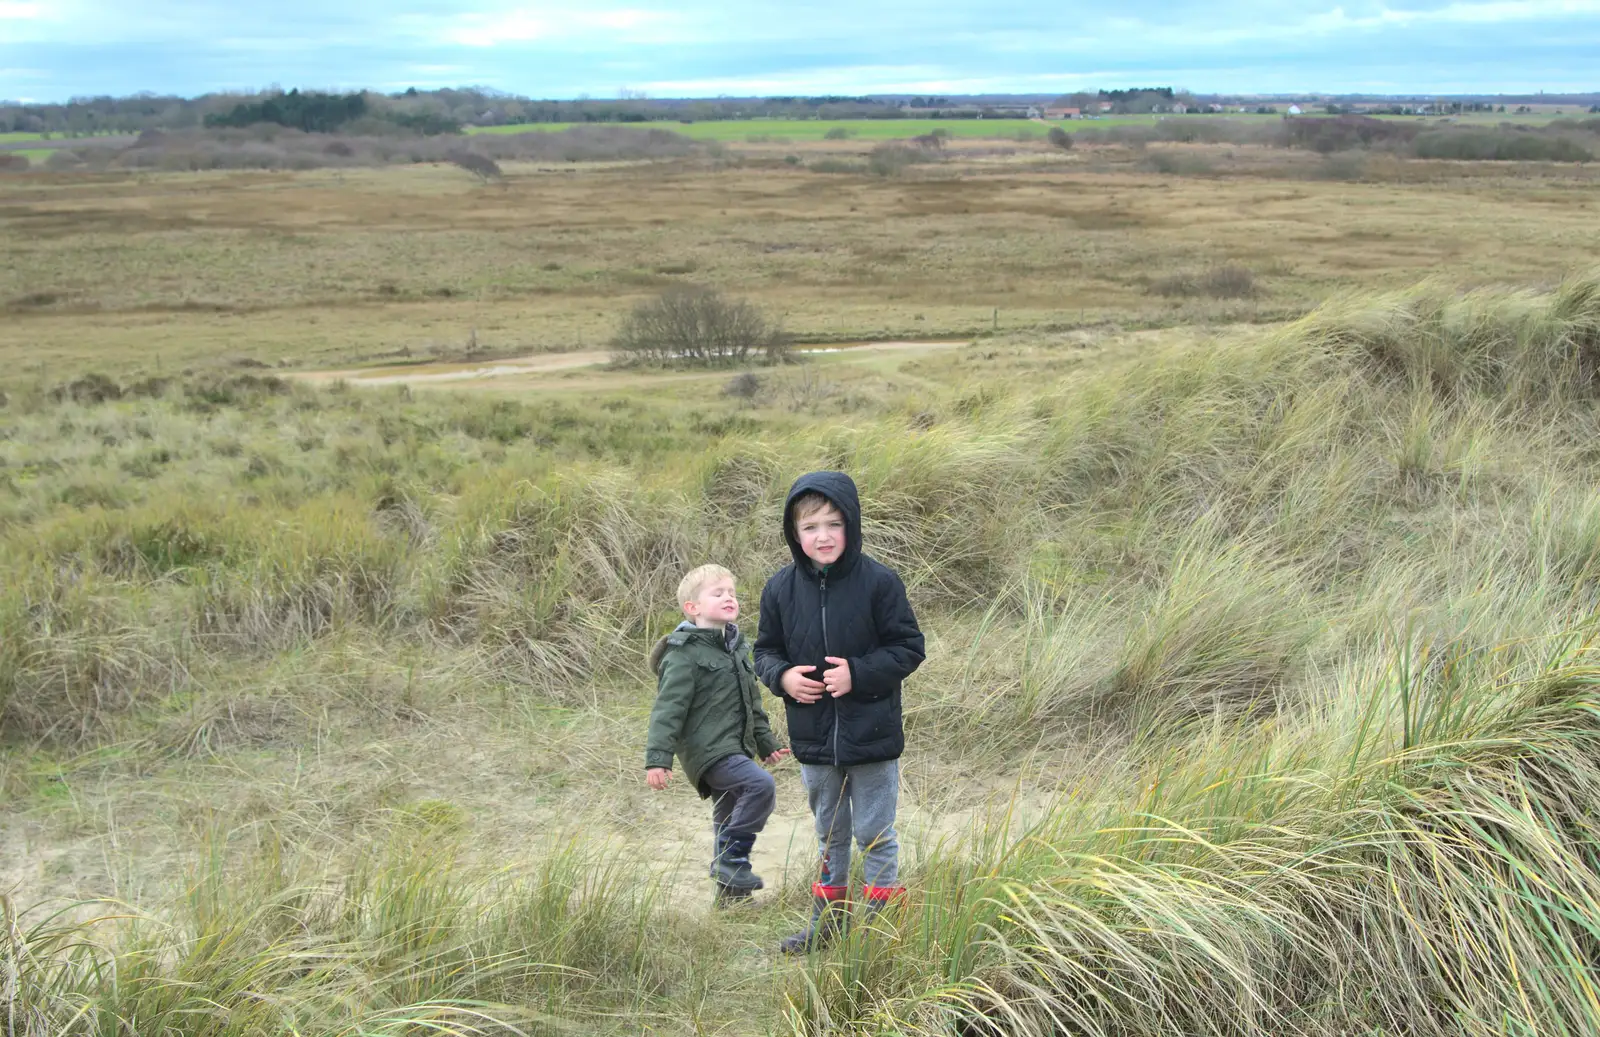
(708,704)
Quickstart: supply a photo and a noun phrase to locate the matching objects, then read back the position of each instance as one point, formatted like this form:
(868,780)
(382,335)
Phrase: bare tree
(697,325)
(481,166)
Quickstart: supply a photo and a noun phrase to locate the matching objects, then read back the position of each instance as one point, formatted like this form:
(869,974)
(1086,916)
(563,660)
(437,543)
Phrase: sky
(51,50)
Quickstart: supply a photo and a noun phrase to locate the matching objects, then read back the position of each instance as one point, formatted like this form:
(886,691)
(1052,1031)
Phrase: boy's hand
(656,777)
(800,687)
(837,680)
(775,757)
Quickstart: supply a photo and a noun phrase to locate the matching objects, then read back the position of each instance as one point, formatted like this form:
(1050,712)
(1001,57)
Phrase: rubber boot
(719,843)
(731,867)
(875,898)
(727,896)
(830,917)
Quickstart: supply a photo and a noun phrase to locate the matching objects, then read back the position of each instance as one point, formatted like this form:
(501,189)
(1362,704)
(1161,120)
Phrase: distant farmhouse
(1063,113)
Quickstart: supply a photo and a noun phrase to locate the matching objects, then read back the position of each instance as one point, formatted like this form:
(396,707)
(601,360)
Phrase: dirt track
(550,363)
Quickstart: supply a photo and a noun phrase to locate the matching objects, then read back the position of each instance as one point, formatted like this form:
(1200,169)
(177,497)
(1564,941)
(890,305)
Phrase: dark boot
(830,917)
(875,899)
(719,844)
(727,896)
(731,868)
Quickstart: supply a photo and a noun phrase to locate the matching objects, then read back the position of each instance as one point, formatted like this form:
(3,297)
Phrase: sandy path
(548,363)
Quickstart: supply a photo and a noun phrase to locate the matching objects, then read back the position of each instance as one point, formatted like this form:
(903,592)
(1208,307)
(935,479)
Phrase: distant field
(861,129)
(737,130)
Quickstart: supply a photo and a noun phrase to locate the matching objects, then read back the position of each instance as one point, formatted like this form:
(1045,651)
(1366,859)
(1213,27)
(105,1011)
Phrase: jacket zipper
(823,581)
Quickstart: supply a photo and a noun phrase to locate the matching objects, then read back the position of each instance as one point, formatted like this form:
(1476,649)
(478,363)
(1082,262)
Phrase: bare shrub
(743,386)
(11,162)
(1174,163)
(90,388)
(892,159)
(835,165)
(1227,281)
(274,147)
(697,325)
(806,390)
(839,133)
(481,166)
(1059,138)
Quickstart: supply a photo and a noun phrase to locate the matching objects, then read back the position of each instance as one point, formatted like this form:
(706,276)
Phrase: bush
(744,386)
(1172,163)
(693,324)
(839,133)
(1220,282)
(1059,138)
(1345,132)
(13,163)
(1502,145)
(269,146)
(481,166)
(892,159)
(834,165)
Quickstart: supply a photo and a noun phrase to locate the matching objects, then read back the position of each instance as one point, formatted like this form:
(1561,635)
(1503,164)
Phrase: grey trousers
(742,795)
(856,802)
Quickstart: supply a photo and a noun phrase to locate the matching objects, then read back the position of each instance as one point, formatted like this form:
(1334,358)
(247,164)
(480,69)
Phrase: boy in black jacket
(836,638)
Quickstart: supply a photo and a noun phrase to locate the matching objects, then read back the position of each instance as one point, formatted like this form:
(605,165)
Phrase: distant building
(1063,113)
(1294,109)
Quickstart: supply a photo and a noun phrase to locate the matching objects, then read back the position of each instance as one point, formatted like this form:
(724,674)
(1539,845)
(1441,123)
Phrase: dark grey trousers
(742,795)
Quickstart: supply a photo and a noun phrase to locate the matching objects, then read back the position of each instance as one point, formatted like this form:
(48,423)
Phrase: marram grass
(1315,607)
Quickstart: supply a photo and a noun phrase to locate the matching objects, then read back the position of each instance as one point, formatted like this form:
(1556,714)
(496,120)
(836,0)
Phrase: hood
(729,640)
(841,490)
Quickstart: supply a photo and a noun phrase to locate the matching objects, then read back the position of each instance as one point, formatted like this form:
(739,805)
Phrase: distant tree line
(443,111)
(310,112)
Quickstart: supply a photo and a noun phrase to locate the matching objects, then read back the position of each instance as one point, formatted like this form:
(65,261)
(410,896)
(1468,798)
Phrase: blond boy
(708,715)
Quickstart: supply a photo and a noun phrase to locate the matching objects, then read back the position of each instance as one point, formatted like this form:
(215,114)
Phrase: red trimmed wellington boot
(830,916)
(876,898)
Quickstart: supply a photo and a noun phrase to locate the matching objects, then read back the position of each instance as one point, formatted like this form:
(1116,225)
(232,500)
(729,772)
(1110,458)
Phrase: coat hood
(728,639)
(841,490)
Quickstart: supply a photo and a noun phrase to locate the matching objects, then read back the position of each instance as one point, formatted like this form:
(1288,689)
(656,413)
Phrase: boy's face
(821,534)
(715,605)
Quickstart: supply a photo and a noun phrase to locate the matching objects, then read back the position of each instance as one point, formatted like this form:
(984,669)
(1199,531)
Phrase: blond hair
(809,503)
(695,580)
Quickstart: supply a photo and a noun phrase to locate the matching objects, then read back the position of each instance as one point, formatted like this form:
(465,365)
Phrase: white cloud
(523,25)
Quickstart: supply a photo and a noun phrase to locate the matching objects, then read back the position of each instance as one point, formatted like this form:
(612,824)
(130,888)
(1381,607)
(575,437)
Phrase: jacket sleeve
(674,692)
(900,645)
(766,742)
(770,652)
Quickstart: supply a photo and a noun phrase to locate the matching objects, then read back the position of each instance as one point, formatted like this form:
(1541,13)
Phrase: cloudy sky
(54,49)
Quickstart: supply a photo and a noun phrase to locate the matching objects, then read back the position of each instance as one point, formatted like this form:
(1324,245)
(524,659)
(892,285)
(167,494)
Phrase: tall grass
(1412,855)
(408,938)
(1316,604)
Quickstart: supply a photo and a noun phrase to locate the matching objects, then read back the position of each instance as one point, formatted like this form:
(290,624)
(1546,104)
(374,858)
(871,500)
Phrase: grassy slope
(1296,622)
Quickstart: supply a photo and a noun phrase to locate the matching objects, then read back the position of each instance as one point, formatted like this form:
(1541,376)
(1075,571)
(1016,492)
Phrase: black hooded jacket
(857,611)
